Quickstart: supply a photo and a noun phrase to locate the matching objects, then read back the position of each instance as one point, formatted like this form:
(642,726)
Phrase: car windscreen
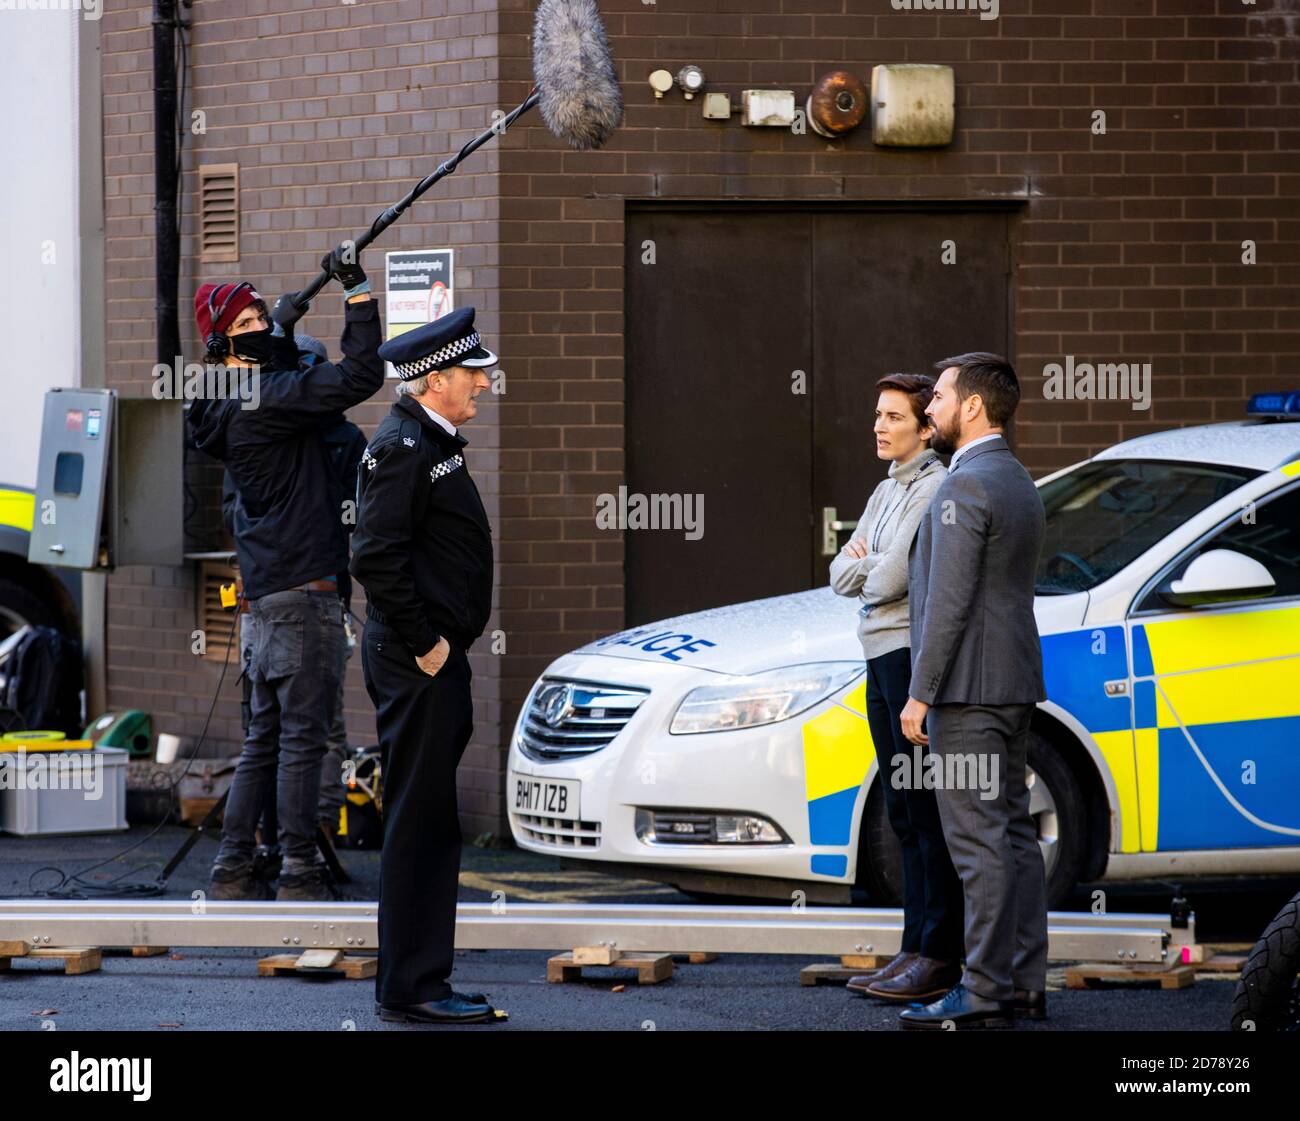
(1105,513)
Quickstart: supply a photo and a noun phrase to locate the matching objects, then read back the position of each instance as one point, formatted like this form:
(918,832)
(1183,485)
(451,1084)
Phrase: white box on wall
(768,108)
(912,105)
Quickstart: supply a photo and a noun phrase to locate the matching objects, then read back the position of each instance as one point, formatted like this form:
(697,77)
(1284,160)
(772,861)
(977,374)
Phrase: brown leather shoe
(925,979)
(1029,1004)
(892,968)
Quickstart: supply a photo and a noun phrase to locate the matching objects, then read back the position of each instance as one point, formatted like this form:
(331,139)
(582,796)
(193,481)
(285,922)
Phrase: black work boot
(266,865)
(237,883)
(312,884)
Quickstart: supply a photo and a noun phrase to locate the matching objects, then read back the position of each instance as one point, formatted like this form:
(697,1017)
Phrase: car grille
(566,719)
(558,832)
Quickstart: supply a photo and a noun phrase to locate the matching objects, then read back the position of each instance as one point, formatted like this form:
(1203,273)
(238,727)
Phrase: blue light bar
(1274,404)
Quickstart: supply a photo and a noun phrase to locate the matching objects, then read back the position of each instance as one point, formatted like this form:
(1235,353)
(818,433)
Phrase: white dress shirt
(967,447)
(442,420)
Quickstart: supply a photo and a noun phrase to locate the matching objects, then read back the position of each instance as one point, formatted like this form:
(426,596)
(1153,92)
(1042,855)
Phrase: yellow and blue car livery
(837,756)
(1216,730)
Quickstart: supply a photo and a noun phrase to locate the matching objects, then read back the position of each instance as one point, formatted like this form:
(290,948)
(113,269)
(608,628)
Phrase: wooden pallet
(1222,963)
(328,963)
(838,973)
(1090,976)
(696,957)
(1217,957)
(1205,951)
(135,951)
(650,968)
(76,959)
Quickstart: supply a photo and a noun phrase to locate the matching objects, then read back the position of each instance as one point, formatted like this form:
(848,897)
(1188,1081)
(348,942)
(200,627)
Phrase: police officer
(423,551)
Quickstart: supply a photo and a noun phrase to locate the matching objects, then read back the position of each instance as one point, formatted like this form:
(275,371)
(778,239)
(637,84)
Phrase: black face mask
(256,347)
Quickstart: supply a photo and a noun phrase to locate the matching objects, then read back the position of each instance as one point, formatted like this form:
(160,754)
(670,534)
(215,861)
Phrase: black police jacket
(288,523)
(422,548)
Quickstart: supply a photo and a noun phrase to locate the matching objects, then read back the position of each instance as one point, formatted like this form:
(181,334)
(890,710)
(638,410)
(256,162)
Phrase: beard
(944,440)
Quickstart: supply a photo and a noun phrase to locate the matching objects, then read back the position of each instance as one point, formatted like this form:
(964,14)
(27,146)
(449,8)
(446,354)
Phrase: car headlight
(761,698)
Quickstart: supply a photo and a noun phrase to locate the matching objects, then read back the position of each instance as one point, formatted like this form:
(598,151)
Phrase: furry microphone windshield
(577,91)
(581,101)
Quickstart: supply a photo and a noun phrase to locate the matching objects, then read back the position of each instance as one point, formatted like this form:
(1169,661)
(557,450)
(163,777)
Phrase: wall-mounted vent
(219,212)
(215,620)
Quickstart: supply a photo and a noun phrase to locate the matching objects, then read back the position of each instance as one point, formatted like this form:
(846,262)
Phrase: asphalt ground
(217,989)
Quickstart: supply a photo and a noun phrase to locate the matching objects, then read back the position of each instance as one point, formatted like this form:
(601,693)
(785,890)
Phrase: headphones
(217,343)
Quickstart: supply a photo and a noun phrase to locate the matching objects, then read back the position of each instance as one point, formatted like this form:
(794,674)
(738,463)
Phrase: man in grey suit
(977,674)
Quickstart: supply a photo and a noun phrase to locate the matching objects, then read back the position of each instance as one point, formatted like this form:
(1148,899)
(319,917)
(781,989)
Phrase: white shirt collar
(961,451)
(442,420)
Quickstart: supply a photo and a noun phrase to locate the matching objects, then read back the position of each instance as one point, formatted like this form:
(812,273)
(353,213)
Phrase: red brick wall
(332,112)
(1127,247)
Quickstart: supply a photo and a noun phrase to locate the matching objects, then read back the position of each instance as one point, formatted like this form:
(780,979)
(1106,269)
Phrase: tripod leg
(331,857)
(190,841)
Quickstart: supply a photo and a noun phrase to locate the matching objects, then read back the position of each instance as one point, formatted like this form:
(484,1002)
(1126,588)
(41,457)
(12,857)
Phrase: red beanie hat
(206,304)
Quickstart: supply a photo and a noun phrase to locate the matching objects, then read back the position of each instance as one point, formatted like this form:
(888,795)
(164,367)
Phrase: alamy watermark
(87,1074)
(53,770)
(651,511)
(91,9)
(953,770)
(988,9)
(1105,381)
(194,381)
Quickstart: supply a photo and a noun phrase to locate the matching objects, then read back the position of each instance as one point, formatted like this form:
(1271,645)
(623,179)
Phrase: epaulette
(408,435)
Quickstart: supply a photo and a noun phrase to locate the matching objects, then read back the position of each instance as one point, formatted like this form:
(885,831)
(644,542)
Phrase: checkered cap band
(446,467)
(444,354)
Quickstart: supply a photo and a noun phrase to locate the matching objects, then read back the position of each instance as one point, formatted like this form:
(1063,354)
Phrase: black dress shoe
(468,998)
(963,1009)
(892,968)
(453,1010)
(1029,1004)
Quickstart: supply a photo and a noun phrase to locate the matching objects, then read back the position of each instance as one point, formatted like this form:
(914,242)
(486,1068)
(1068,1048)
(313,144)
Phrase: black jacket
(288,524)
(344,445)
(422,547)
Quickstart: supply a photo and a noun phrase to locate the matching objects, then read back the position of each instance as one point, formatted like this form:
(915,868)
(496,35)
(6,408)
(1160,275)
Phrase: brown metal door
(886,303)
(736,301)
(714,329)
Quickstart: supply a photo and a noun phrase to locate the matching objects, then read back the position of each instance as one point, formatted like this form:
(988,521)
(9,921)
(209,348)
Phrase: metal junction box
(767,108)
(109,481)
(912,105)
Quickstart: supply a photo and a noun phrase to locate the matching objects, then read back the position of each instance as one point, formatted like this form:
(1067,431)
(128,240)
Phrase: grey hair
(413,388)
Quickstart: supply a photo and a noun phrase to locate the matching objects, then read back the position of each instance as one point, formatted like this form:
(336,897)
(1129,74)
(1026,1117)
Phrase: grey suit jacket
(971,585)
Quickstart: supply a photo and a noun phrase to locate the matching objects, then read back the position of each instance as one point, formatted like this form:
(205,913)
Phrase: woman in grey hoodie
(872,566)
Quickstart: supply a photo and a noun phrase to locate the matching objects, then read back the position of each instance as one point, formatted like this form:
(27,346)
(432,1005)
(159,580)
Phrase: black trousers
(424,724)
(932,893)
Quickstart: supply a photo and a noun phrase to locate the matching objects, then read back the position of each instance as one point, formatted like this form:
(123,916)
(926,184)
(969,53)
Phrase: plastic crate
(45,792)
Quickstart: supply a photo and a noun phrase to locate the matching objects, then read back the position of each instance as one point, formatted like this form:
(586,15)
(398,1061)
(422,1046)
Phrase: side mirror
(1219,576)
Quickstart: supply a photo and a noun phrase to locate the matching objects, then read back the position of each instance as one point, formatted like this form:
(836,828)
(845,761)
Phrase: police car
(727,751)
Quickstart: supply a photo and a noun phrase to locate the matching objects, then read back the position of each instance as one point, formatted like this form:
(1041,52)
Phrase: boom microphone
(577,88)
(581,100)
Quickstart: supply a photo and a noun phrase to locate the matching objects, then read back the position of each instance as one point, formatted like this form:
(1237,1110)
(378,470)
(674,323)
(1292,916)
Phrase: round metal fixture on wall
(837,104)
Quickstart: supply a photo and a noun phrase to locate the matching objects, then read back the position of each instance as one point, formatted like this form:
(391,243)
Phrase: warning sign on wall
(420,290)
